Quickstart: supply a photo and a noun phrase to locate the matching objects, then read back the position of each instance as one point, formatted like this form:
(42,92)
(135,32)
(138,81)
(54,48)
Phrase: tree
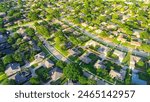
(145,35)
(1,66)
(43,74)
(30,32)
(83,80)
(148,72)
(20,2)
(42,30)
(10,40)
(17,57)
(16,36)
(34,81)
(7,59)
(72,71)
(92,82)
(61,64)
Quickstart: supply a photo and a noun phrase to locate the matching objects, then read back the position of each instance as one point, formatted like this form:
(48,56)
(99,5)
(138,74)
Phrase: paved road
(52,49)
(110,44)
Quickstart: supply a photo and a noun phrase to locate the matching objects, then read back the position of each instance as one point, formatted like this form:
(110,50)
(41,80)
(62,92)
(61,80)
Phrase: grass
(126,60)
(90,66)
(2,76)
(44,50)
(144,47)
(63,52)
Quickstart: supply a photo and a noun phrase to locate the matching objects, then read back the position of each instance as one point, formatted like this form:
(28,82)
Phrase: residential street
(119,47)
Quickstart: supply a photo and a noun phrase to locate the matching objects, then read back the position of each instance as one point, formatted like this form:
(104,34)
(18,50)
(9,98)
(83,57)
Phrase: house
(48,64)
(120,54)
(76,33)
(117,75)
(103,50)
(84,24)
(22,77)
(68,45)
(88,75)
(34,46)
(2,38)
(137,33)
(135,43)
(56,73)
(26,38)
(84,58)
(40,56)
(137,81)
(12,69)
(2,14)
(123,74)
(91,43)
(98,31)
(21,31)
(133,61)
(74,52)
(121,38)
(99,64)
(64,26)
(115,33)
(112,26)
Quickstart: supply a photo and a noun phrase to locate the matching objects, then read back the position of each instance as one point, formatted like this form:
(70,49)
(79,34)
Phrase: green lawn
(63,52)
(2,76)
(44,49)
(126,60)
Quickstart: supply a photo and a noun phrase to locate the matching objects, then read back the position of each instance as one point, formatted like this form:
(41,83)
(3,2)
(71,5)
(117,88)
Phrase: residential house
(118,75)
(98,31)
(137,33)
(26,38)
(40,56)
(2,14)
(112,26)
(22,77)
(135,43)
(74,52)
(76,33)
(99,64)
(34,46)
(91,43)
(133,61)
(121,38)
(84,58)
(12,69)
(120,54)
(56,73)
(48,64)
(103,50)
(84,24)
(2,38)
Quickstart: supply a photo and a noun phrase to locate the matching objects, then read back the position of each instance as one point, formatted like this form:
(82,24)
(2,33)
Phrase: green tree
(61,64)
(92,82)
(17,57)
(7,59)
(2,68)
(83,80)
(72,71)
(10,40)
(30,32)
(34,81)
